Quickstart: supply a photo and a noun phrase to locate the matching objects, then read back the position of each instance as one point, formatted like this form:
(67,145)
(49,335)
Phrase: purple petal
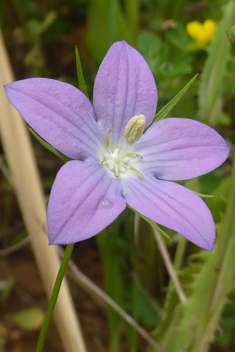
(124,87)
(84,199)
(59,113)
(179,149)
(173,206)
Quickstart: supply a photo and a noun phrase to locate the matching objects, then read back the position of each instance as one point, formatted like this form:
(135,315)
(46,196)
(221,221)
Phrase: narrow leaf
(169,106)
(212,83)
(202,195)
(81,81)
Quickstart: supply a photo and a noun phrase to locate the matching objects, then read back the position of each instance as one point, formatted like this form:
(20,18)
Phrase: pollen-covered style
(118,159)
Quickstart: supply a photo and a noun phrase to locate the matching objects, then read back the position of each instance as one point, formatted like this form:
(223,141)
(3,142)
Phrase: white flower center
(120,160)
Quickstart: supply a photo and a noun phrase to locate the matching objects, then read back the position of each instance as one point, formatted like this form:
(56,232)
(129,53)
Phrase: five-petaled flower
(115,164)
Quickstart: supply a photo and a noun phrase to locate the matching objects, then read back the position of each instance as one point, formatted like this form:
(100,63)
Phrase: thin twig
(14,248)
(169,266)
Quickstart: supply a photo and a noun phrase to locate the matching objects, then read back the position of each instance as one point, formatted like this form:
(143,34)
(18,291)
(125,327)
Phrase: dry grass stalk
(19,154)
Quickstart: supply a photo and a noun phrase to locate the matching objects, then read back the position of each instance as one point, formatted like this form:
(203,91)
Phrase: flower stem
(54,297)
(169,266)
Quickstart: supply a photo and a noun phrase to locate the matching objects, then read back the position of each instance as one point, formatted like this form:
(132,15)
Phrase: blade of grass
(169,106)
(81,80)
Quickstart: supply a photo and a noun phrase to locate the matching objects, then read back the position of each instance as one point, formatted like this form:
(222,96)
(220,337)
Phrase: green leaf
(209,196)
(106,25)
(81,81)
(178,36)
(29,319)
(153,50)
(168,107)
(212,84)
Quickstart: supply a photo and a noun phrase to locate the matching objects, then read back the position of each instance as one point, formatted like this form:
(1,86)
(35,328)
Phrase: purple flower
(114,163)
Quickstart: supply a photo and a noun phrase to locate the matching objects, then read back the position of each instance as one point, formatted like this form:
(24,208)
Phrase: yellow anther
(107,143)
(138,172)
(138,155)
(135,128)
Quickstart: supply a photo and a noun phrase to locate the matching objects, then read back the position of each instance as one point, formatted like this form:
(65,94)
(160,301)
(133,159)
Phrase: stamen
(135,128)
(107,143)
(138,172)
(119,160)
(116,171)
(138,155)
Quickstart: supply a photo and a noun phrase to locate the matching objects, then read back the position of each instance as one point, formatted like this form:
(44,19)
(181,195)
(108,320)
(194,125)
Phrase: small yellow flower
(202,33)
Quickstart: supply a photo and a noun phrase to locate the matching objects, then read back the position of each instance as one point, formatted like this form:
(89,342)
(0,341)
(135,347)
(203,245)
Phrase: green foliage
(153,50)
(207,289)
(81,81)
(106,24)
(109,253)
(159,56)
(227,323)
(178,37)
(168,107)
(212,81)
(118,255)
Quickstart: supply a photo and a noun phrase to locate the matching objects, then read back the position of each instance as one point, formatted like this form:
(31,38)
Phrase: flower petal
(179,149)
(84,199)
(124,87)
(173,206)
(59,113)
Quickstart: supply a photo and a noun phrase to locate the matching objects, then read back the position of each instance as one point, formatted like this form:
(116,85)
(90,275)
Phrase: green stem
(211,86)
(180,252)
(54,297)
(132,15)
(179,256)
(218,277)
